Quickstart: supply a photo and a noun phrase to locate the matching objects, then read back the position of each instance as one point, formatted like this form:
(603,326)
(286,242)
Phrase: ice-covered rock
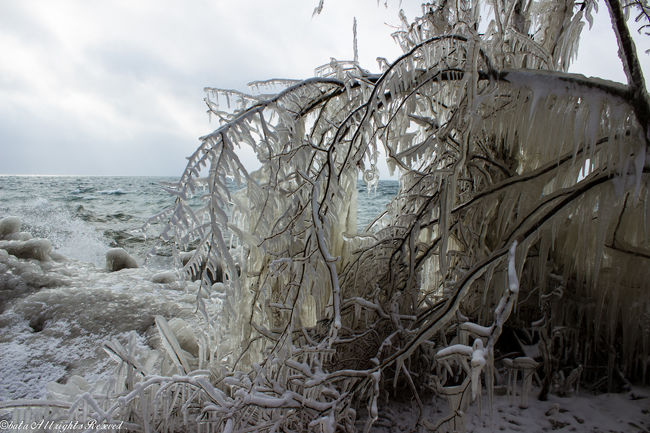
(118,258)
(21,277)
(185,336)
(21,244)
(9,226)
(38,249)
(185,256)
(164,277)
(18,236)
(75,386)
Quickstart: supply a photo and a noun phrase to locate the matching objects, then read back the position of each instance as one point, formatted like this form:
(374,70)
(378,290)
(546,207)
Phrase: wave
(84,190)
(71,232)
(113,192)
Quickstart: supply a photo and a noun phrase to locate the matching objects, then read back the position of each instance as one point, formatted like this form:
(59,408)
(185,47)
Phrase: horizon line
(119,175)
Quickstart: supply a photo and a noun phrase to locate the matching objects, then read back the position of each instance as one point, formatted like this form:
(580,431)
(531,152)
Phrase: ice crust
(55,315)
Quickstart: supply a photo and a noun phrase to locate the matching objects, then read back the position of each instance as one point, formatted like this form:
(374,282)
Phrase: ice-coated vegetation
(523,204)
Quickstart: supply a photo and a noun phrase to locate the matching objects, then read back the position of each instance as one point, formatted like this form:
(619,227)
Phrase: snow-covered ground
(584,412)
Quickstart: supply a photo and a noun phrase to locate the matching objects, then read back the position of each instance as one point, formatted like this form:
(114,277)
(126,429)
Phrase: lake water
(55,315)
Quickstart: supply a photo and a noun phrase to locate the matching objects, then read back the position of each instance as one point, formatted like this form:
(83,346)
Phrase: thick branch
(633,72)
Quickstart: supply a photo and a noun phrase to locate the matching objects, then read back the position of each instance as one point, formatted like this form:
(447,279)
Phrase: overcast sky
(116,87)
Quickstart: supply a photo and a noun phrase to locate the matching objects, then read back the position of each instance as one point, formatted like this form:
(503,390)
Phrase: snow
(584,412)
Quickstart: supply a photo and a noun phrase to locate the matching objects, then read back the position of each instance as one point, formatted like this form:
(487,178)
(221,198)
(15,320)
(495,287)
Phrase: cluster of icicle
(517,181)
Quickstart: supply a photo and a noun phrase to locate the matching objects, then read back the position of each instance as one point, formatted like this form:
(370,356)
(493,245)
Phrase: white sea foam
(70,236)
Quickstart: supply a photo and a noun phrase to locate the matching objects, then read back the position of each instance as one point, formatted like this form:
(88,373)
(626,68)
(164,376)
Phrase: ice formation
(38,249)
(55,314)
(21,244)
(494,225)
(9,226)
(165,277)
(118,258)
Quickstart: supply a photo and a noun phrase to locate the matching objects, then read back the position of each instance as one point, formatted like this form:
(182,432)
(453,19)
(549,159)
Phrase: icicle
(478,363)
(354,41)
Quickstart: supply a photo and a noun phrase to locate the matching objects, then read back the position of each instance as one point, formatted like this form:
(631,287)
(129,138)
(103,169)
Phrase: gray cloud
(116,87)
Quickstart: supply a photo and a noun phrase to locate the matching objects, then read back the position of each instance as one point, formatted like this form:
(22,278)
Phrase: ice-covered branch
(631,65)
